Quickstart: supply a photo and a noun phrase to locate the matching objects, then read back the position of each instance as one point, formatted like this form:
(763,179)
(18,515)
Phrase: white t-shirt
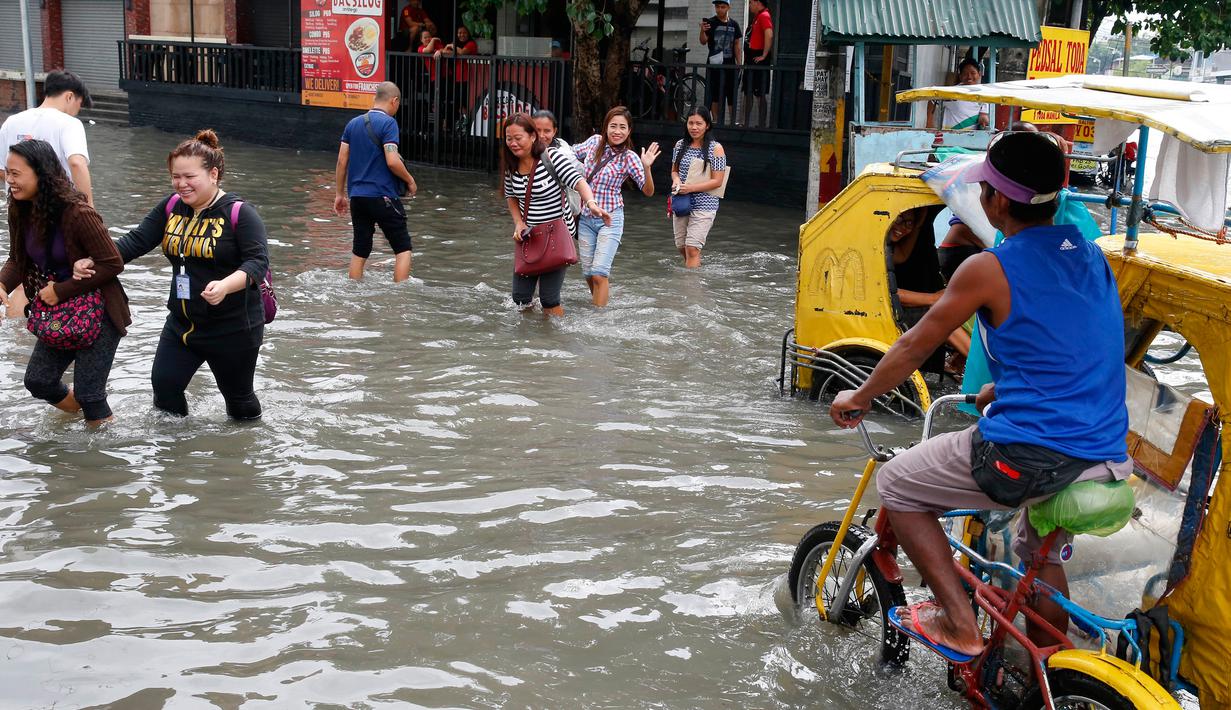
(963,115)
(64,132)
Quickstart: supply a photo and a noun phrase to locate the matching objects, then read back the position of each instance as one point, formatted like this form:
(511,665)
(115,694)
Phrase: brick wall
(137,19)
(13,94)
(53,36)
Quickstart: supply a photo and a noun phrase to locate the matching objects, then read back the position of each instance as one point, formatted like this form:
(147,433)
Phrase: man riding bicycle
(1054,334)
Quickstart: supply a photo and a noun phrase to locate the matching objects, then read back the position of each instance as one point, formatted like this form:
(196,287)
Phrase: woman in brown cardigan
(50,227)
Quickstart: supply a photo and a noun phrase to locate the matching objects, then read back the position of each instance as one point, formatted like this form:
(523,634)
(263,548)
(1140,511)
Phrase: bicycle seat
(1085,508)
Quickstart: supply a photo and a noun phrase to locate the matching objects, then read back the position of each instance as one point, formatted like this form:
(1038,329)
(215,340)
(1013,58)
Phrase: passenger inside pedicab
(1041,292)
(917,275)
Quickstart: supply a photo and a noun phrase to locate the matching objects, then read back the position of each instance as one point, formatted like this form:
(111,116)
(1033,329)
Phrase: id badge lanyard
(183,287)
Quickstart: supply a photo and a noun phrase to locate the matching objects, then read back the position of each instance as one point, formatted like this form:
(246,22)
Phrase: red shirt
(462,72)
(429,60)
(756,33)
(414,15)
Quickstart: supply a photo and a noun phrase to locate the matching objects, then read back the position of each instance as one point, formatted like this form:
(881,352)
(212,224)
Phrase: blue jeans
(598,243)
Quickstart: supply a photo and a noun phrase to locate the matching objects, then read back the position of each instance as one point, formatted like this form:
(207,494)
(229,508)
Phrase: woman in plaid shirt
(609,159)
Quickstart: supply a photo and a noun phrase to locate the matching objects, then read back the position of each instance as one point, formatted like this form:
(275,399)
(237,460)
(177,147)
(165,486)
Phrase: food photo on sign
(343,45)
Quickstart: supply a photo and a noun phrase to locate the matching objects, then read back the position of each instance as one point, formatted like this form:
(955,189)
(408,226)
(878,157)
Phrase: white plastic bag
(962,197)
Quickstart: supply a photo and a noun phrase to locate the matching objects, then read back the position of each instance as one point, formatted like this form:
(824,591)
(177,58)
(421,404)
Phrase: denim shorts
(598,243)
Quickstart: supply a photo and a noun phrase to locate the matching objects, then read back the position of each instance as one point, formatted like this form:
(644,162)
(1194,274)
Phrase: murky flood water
(447,503)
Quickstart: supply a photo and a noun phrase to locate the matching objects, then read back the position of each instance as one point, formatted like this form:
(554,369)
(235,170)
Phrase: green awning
(985,23)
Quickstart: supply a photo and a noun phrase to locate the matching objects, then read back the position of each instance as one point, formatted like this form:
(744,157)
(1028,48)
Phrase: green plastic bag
(1085,508)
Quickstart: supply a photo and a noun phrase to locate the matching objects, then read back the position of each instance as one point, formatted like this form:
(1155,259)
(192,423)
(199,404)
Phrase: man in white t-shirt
(55,121)
(964,115)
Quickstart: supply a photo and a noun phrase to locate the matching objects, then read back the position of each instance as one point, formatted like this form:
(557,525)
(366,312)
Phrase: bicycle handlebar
(882,454)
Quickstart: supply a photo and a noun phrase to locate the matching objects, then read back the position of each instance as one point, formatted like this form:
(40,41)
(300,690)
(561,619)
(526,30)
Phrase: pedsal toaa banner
(343,52)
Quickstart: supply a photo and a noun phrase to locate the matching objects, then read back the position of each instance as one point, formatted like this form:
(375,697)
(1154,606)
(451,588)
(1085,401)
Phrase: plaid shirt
(606,185)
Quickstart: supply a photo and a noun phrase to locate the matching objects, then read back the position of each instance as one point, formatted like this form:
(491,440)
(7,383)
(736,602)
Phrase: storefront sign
(1062,51)
(343,52)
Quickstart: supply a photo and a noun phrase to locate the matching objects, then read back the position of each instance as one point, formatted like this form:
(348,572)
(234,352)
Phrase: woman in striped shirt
(609,159)
(523,162)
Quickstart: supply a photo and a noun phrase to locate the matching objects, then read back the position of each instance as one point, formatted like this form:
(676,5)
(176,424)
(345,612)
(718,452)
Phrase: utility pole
(27,54)
(828,95)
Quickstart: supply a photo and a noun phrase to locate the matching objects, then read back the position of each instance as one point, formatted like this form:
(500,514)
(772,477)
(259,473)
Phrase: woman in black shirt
(217,248)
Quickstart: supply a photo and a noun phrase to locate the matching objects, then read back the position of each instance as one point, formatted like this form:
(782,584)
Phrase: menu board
(343,52)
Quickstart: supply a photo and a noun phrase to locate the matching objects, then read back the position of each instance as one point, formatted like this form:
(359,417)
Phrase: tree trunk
(598,79)
(587,85)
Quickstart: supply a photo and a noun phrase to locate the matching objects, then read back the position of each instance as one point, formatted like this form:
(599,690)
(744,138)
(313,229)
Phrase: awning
(985,23)
(1194,113)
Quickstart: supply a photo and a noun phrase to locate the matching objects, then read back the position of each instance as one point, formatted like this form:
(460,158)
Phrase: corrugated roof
(986,22)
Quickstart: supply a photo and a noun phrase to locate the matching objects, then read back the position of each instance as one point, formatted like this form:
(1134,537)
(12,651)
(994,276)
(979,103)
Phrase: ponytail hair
(203,145)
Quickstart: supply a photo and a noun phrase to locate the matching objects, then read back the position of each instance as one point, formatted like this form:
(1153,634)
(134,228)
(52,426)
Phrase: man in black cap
(721,34)
(1054,415)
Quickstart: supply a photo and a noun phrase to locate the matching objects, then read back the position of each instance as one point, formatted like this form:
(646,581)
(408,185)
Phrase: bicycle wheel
(1073,690)
(641,97)
(689,91)
(870,598)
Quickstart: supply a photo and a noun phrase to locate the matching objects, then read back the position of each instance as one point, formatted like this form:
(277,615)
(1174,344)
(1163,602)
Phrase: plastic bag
(962,197)
(1085,508)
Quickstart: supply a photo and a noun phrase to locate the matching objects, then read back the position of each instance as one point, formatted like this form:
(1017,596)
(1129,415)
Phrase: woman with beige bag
(698,180)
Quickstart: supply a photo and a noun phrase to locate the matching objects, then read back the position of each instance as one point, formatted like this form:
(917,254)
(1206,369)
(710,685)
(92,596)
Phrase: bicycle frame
(1002,606)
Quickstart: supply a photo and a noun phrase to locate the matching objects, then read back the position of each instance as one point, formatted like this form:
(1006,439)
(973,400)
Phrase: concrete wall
(768,167)
(265,118)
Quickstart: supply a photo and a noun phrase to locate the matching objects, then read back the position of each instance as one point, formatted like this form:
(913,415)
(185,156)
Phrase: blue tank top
(1058,359)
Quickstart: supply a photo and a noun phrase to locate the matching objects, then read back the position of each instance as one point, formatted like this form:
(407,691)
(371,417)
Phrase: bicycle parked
(660,91)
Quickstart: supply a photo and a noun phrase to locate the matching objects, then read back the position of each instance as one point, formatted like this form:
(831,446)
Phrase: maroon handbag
(546,247)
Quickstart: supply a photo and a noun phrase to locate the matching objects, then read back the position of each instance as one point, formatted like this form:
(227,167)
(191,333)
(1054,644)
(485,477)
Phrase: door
(10,36)
(92,30)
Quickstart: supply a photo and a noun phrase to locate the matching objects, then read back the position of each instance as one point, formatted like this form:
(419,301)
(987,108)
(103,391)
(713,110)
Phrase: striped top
(607,183)
(701,201)
(546,198)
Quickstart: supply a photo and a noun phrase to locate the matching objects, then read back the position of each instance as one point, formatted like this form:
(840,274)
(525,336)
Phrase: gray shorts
(935,476)
(693,229)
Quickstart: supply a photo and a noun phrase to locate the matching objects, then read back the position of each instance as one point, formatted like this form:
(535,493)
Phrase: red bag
(71,324)
(546,247)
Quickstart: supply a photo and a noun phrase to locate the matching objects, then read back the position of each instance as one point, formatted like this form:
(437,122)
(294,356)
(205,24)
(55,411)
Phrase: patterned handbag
(71,324)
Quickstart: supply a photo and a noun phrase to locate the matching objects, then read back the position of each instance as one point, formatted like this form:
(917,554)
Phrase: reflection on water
(447,503)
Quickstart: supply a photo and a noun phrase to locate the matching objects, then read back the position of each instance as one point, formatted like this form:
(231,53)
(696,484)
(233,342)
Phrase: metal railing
(220,65)
(452,107)
(748,96)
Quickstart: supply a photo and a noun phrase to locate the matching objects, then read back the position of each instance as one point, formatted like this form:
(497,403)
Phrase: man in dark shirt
(368,169)
(721,34)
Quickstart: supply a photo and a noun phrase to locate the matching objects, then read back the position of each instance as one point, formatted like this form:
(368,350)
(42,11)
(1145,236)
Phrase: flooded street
(447,503)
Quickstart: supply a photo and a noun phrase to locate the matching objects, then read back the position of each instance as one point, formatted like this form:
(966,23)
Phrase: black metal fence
(202,64)
(452,107)
(751,96)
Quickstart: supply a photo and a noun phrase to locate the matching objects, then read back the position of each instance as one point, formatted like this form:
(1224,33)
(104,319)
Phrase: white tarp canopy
(1196,114)
(1196,149)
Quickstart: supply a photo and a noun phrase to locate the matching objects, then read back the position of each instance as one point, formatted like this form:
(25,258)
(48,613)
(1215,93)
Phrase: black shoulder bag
(402,187)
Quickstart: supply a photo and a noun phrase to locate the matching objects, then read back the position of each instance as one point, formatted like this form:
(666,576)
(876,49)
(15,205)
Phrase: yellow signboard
(1062,51)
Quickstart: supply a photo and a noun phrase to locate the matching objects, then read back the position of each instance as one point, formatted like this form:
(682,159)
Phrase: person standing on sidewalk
(369,168)
(721,34)
(756,54)
(54,121)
